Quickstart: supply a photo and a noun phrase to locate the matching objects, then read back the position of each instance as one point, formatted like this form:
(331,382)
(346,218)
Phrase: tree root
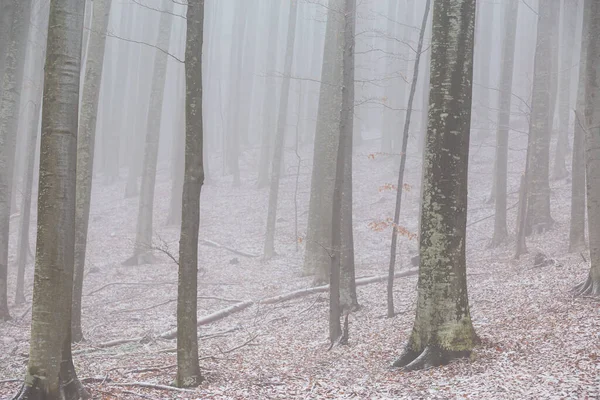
(431,357)
(70,389)
(589,287)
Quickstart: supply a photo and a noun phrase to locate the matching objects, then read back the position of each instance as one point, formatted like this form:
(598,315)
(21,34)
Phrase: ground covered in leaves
(538,341)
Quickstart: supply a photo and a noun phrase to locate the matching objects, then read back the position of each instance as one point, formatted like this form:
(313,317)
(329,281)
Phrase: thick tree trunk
(591,286)
(538,216)
(143,240)
(12,81)
(443,330)
(403,153)
(506,79)
(86,141)
(569,25)
(317,257)
(269,107)
(269,249)
(50,372)
(188,370)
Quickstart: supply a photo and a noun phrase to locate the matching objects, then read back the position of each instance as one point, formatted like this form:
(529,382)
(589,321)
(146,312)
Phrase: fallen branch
(153,386)
(11,380)
(211,243)
(129,283)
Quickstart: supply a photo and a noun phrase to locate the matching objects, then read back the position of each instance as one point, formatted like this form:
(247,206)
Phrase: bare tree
(50,372)
(443,329)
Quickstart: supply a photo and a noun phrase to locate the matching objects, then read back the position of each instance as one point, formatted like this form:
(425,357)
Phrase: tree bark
(188,370)
(443,330)
(143,240)
(269,249)
(50,372)
(12,81)
(86,141)
(505,97)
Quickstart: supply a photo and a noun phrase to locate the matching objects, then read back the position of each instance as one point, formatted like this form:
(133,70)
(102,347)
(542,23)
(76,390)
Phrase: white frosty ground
(538,341)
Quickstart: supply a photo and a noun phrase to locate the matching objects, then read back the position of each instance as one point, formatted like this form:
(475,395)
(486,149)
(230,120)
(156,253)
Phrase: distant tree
(86,141)
(143,239)
(317,258)
(577,225)
(177,154)
(567,49)
(50,371)
(269,249)
(483,67)
(188,370)
(11,81)
(540,126)
(391,68)
(443,329)
(591,286)
(506,79)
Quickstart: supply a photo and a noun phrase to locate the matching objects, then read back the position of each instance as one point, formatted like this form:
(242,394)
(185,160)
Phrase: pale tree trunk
(569,25)
(143,240)
(317,258)
(269,107)
(344,149)
(269,249)
(50,372)
(36,73)
(577,225)
(6,21)
(188,370)
(483,55)
(247,75)
(178,157)
(591,286)
(86,141)
(12,82)
(511,14)
(389,114)
(540,126)
(443,330)
(403,153)
(232,135)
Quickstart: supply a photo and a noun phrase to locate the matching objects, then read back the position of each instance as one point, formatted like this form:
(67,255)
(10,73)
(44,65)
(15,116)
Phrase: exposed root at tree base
(430,357)
(72,390)
(589,287)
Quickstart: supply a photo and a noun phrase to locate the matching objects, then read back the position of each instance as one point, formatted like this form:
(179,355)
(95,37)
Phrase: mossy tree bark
(501,162)
(591,286)
(85,151)
(188,370)
(50,373)
(443,330)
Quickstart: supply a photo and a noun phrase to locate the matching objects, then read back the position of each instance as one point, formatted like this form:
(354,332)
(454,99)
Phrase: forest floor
(538,341)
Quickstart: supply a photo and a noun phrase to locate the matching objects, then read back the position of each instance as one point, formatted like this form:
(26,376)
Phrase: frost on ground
(538,341)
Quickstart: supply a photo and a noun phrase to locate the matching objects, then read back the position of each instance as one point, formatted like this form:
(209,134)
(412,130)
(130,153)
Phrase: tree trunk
(188,370)
(391,68)
(483,65)
(577,226)
(591,287)
(143,240)
(50,372)
(6,22)
(270,98)
(269,250)
(400,186)
(569,25)
(317,257)
(506,79)
(85,152)
(443,330)
(12,82)
(178,157)
(538,216)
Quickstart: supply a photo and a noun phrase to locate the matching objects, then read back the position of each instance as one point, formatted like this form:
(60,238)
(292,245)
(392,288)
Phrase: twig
(11,380)
(149,369)
(129,283)
(153,386)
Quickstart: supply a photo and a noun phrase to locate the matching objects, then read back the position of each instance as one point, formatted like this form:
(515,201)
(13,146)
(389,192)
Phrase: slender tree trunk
(391,67)
(50,372)
(12,82)
(143,240)
(443,330)
(506,79)
(577,226)
(317,259)
(569,24)
(85,152)
(188,370)
(269,250)
(591,286)
(269,98)
(400,186)
(538,186)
